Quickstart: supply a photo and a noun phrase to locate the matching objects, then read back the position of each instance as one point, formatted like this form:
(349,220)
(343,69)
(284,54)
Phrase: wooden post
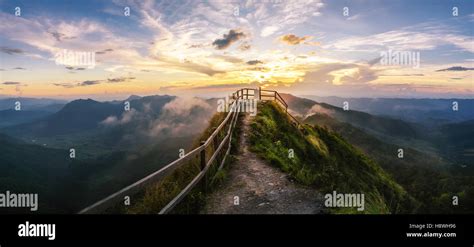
(275,95)
(259,93)
(203,166)
(215,142)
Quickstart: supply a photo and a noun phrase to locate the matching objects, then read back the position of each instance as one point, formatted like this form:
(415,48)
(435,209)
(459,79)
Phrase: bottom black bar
(272,227)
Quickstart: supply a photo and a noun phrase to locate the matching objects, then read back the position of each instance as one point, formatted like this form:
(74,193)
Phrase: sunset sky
(209,48)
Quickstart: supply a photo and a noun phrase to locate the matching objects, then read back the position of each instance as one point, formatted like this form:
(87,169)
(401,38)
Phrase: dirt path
(260,188)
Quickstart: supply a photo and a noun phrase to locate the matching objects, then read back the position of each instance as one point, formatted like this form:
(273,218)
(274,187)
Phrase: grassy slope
(425,177)
(326,161)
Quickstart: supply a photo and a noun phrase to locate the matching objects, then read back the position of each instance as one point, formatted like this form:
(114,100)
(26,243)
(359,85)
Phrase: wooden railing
(264,94)
(227,125)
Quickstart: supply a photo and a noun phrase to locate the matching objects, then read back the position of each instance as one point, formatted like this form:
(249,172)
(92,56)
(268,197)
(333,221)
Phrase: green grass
(327,162)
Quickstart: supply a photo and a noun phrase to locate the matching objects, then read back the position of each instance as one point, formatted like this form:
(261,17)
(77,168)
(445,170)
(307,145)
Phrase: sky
(361,48)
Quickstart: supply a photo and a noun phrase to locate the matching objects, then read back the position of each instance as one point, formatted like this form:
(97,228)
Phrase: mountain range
(115,147)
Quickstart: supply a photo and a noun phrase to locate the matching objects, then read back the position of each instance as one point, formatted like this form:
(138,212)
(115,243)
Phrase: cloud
(269,30)
(120,79)
(318,109)
(19,68)
(455,68)
(60,36)
(340,74)
(11,83)
(227,58)
(65,85)
(89,83)
(104,51)
(374,61)
(354,17)
(187,65)
(11,51)
(405,75)
(182,117)
(274,16)
(126,117)
(94,82)
(79,84)
(245,46)
(253,62)
(291,39)
(228,39)
(424,36)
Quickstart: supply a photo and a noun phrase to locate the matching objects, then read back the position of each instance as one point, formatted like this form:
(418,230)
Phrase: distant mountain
(452,141)
(29,103)
(376,124)
(133,97)
(456,141)
(83,115)
(77,116)
(426,111)
(11,117)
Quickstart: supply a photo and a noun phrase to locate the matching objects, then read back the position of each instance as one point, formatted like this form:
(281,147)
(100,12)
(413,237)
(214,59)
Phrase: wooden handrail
(159,175)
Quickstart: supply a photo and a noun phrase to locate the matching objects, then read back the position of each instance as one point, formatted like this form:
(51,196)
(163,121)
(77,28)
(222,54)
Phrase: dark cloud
(88,83)
(228,39)
(60,36)
(104,51)
(80,84)
(11,83)
(93,82)
(456,68)
(120,79)
(291,39)
(254,62)
(19,68)
(11,51)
